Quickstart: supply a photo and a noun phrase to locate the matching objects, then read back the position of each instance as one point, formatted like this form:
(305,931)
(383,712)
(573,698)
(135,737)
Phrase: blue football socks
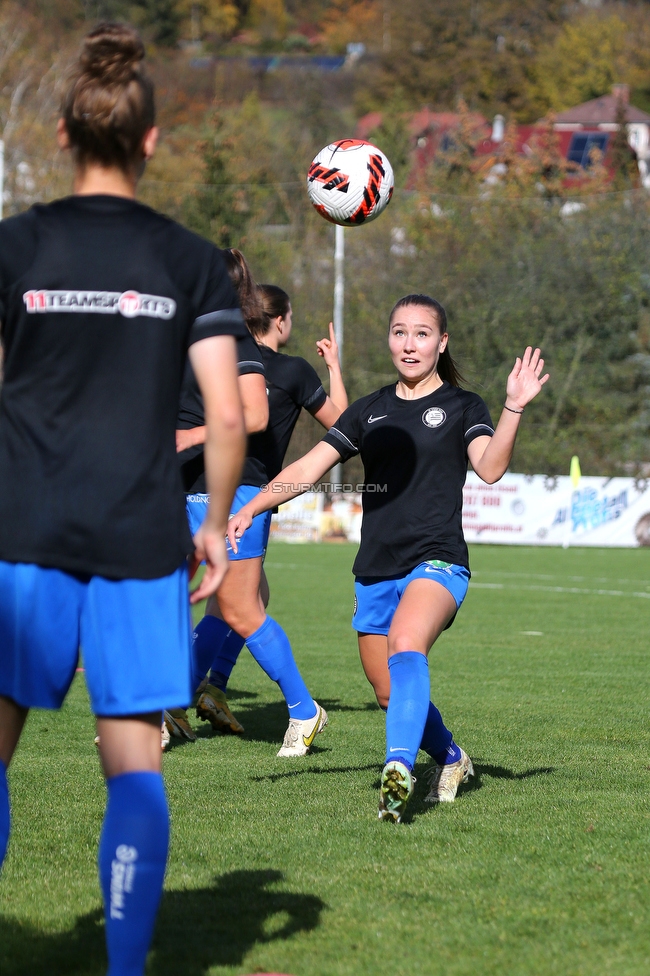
(132,858)
(4,812)
(207,638)
(270,647)
(226,659)
(407,707)
(437,738)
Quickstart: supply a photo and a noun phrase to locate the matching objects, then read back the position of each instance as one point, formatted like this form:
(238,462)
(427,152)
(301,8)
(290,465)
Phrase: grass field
(540,867)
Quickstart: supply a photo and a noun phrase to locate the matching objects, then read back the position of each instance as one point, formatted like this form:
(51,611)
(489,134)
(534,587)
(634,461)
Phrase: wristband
(505,407)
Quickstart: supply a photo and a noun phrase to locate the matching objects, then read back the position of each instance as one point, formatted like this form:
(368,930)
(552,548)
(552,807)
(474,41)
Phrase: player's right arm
(214,363)
(294,480)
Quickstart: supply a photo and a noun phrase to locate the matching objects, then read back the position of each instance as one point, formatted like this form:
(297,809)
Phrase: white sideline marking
(558,589)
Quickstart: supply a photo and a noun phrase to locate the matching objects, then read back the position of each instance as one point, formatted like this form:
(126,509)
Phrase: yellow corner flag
(574,471)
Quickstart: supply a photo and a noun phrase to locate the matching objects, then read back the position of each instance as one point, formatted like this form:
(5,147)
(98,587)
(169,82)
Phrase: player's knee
(243,620)
(404,642)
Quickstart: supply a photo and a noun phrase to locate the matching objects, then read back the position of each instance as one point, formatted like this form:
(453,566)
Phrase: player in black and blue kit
(240,613)
(100,300)
(190,439)
(415,438)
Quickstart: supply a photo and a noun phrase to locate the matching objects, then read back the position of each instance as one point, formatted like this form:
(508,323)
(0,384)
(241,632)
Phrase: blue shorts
(376,600)
(254,541)
(134,635)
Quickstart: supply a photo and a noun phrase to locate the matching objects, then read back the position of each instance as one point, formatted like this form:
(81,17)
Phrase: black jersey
(191,412)
(414,454)
(100,297)
(291,383)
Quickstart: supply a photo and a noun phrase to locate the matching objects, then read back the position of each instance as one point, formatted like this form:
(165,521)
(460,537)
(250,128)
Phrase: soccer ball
(350,182)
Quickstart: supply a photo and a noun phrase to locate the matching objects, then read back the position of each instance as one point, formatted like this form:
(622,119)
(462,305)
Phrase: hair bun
(112,52)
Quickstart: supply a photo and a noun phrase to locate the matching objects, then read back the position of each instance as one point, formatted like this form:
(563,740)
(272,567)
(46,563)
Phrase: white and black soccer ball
(350,182)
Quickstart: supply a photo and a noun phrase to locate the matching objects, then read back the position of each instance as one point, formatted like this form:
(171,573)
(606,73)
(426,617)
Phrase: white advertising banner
(548,511)
(531,510)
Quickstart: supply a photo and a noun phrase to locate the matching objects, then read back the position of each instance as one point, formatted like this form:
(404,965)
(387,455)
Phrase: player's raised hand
(328,349)
(525,380)
(237,525)
(211,547)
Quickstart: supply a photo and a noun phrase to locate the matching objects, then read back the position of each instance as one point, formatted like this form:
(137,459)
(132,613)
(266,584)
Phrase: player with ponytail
(415,438)
(101,299)
(237,615)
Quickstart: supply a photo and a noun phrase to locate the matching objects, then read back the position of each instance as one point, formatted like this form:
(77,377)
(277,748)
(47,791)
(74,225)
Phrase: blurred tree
(268,18)
(588,55)
(242,177)
(203,19)
(352,22)
(393,137)
(482,51)
(623,160)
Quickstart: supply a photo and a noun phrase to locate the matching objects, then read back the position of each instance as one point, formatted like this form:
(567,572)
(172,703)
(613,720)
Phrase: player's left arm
(490,456)
(255,401)
(337,400)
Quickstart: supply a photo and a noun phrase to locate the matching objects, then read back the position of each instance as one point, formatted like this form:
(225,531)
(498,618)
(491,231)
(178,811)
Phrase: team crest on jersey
(130,304)
(434,417)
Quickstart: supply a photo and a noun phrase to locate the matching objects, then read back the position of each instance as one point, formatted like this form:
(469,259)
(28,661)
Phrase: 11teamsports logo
(130,304)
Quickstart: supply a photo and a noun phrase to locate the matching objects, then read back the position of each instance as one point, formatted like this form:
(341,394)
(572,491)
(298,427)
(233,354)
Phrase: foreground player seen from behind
(100,298)
(415,438)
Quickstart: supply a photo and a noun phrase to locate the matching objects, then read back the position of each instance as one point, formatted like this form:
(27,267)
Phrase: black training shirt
(100,297)
(191,412)
(414,454)
(292,383)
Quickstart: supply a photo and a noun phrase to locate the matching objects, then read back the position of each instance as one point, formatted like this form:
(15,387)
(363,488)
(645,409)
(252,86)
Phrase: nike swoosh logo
(372,419)
(308,739)
(398,749)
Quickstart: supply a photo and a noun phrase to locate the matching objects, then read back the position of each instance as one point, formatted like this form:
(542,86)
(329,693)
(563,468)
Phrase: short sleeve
(218,312)
(249,357)
(17,251)
(308,390)
(476,419)
(343,436)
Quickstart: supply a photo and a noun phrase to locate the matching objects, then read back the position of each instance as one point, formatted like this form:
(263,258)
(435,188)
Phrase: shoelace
(432,776)
(291,735)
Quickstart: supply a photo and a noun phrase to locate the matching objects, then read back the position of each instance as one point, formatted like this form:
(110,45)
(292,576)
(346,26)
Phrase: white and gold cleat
(301,733)
(444,781)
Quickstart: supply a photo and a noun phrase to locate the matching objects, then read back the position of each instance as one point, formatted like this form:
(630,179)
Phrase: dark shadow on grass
(417,806)
(238,694)
(273,777)
(196,930)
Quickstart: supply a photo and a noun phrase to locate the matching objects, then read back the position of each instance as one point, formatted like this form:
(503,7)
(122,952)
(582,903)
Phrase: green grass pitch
(540,868)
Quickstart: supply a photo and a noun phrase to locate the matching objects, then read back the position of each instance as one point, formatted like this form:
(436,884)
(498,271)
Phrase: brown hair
(247,290)
(109,105)
(275,302)
(447,368)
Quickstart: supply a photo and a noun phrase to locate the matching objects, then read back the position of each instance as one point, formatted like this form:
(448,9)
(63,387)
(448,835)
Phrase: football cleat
(178,724)
(301,733)
(165,738)
(212,707)
(397,782)
(443,781)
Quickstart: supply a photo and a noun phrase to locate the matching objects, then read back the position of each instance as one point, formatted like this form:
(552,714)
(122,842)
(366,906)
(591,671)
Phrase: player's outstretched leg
(452,766)
(270,647)
(405,720)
